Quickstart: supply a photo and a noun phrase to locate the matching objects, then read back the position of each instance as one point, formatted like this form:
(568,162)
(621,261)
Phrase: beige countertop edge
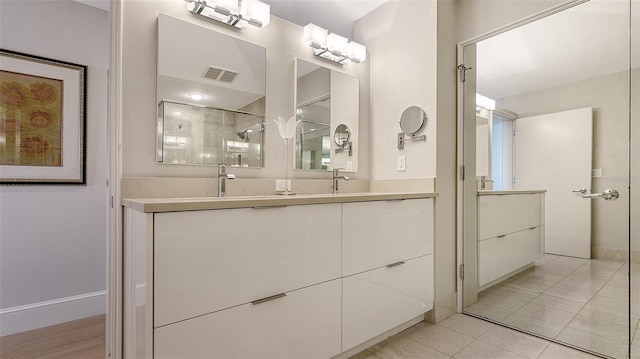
(154,205)
(501,193)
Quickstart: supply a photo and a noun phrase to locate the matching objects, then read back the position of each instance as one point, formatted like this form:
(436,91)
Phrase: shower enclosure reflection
(207,136)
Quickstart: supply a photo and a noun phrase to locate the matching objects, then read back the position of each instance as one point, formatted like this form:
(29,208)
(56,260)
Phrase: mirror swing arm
(347,147)
(409,137)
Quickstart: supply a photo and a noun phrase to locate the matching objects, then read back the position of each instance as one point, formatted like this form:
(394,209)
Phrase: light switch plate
(402,163)
(596,173)
(283,185)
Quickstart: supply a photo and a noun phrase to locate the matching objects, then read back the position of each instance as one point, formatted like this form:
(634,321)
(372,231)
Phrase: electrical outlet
(283,185)
(402,163)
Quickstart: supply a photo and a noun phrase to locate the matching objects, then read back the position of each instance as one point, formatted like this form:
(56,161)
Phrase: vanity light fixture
(238,13)
(332,46)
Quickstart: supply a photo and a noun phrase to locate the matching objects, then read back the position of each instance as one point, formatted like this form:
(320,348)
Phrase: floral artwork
(30,120)
(43,110)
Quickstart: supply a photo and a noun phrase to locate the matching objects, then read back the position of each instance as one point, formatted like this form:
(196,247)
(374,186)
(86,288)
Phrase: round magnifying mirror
(341,135)
(412,120)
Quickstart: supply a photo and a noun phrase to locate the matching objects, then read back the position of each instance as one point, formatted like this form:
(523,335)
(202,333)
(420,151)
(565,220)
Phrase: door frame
(114,316)
(460,198)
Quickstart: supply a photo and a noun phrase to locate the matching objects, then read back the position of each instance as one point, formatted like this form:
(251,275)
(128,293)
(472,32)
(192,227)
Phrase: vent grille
(220,74)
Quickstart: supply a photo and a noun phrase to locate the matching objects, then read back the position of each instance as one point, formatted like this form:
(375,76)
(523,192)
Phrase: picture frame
(43,116)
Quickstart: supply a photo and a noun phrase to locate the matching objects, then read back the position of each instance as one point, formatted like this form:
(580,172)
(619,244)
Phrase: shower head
(244,135)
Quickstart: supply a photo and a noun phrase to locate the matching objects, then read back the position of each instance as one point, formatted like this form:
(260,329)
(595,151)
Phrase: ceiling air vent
(220,74)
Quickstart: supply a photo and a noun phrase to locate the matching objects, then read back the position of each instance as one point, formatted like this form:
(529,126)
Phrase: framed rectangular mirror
(211,96)
(327,105)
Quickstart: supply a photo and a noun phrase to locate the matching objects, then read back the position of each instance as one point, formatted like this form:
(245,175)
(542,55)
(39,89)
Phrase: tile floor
(578,301)
(464,337)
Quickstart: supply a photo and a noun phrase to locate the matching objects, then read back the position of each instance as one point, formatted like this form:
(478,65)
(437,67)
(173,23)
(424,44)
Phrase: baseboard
(614,254)
(37,315)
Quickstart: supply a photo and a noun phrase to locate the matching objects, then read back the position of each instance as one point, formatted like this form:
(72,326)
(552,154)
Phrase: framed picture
(42,120)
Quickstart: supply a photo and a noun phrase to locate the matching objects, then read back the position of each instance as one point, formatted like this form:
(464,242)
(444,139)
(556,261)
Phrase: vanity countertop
(501,193)
(152,205)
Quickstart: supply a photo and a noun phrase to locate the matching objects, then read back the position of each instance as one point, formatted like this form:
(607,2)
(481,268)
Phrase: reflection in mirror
(325,99)
(555,264)
(342,135)
(313,135)
(192,135)
(412,120)
(217,84)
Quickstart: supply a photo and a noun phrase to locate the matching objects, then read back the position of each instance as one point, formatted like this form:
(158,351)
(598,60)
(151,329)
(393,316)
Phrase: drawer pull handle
(533,227)
(269,207)
(395,264)
(396,199)
(502,236)
(268,299)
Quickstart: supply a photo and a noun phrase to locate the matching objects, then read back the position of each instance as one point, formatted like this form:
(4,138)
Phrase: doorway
(546,218)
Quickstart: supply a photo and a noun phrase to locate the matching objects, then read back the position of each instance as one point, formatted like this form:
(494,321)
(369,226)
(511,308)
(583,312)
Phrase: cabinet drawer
(375,234)
(504,214)
(304,324)
(383,298)
(498,257)
(206,261)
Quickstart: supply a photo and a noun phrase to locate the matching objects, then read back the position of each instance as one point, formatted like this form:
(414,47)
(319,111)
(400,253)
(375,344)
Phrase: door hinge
(462,271)
(463,72)
(515,133)
(463,170)
(113,202)
(514,180)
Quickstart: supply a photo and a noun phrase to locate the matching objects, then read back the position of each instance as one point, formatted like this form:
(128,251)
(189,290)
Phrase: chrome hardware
(483,182)
(395,264)
(532,228)
(608,195)
(501,236)
(336,177)
(223,176)
(581,190)
(268,299)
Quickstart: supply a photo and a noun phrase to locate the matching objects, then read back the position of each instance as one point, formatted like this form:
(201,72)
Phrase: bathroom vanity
(510,233)
(307,276)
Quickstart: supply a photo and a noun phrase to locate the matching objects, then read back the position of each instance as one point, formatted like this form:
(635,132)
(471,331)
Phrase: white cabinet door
(375,234)
(381,299)
(211,260)
(500,256)
(304,324)
(503,214)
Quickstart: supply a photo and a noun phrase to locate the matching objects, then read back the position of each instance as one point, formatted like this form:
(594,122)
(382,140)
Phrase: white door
(553,152)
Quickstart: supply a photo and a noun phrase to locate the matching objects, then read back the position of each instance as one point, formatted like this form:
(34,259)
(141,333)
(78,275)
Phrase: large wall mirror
(327,105)
(211,97)
(543,123)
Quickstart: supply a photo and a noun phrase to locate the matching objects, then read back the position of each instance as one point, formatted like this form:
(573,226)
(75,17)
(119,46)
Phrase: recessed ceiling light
(195,96)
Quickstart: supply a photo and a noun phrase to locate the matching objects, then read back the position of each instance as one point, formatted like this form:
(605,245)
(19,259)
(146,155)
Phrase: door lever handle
(608,195)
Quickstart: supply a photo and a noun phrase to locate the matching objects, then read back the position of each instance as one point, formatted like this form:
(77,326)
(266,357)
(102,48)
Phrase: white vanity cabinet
(510,233)
(292,278)
(387,262)
(205,261)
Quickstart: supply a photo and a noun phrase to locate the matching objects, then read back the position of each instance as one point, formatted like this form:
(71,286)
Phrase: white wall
(401,37)
(53,238)
(283,42)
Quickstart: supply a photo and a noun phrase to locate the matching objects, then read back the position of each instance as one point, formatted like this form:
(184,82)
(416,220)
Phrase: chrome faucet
(337,177)
(483,182)
(223,176)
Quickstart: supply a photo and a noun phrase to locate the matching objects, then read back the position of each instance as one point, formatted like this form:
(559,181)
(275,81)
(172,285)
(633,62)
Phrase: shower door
(580,56)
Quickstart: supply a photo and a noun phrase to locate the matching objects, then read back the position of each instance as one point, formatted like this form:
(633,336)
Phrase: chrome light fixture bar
(333,47)
(238,13)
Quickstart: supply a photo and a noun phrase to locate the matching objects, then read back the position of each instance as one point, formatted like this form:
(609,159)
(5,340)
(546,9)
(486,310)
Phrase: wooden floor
(79,339)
